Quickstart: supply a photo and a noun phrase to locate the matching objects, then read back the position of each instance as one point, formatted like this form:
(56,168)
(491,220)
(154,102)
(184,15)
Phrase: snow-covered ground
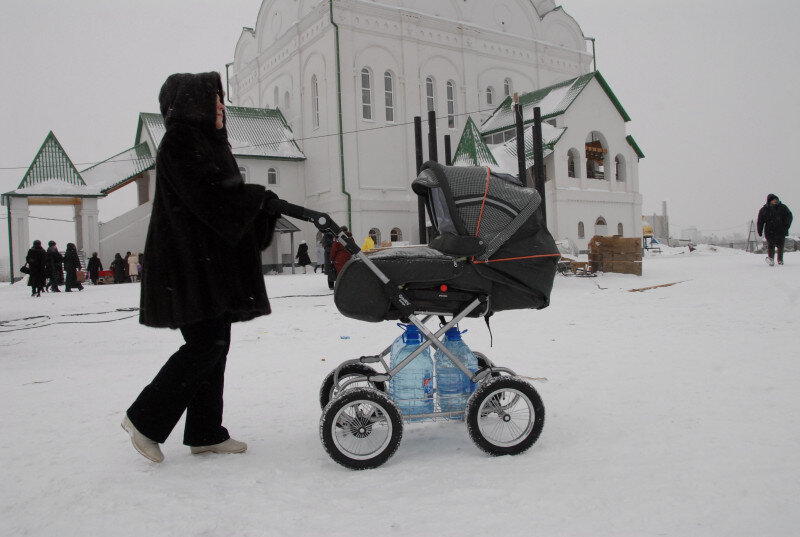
(672,411)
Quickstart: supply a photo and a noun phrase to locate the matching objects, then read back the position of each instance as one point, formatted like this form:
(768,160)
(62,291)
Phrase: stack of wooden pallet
(615,254)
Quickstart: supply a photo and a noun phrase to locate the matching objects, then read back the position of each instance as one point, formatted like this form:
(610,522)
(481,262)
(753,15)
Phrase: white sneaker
(228,446)
(148,448)
(770,261)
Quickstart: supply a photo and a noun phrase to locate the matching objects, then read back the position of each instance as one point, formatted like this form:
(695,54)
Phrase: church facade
(350,75)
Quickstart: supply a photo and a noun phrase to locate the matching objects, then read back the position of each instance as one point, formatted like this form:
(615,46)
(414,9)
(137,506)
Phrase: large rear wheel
(505,416)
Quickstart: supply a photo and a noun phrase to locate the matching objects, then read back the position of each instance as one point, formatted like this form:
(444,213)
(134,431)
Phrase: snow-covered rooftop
(119,169)
(252,132)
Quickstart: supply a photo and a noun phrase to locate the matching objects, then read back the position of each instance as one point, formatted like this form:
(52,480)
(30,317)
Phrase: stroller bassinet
(491,243)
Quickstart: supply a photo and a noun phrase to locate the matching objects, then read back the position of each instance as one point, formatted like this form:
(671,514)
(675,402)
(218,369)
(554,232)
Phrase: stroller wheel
(505,416)
(361,428)
(328,391)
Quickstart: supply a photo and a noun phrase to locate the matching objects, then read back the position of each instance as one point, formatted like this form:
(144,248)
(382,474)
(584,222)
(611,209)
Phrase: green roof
(51,163)
(252,132)
(553,101)
(635,146)
(472,150)
(118,170)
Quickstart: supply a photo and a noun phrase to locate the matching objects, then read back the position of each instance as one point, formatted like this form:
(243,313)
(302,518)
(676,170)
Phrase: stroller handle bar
(322,221)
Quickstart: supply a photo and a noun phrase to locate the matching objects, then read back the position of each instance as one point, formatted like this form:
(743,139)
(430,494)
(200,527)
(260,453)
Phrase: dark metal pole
(448,157)
(423,233)
(521,168)
(433,148)
(538,159)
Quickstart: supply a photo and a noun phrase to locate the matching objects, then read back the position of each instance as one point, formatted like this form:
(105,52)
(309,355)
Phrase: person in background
(369,244)
(133,267)
(72,264)
(202,268)
(94,266)
(320,258)
(127,268)
(774,221)
(118,266)
(302,256)
(37,262)
(327,244)
(54,268)
(339,255)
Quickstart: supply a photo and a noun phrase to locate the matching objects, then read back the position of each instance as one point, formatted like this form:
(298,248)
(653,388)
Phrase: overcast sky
(711,87)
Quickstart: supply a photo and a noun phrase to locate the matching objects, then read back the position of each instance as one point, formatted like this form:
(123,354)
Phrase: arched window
(243,172)
(600,226)
(591,169)
(396,235)
(451,104)
(572,163)
(286,102)
(375,233)
(619,229)
(619,168)
(388,91)
(366,94)
(272,176)
(314,102)
(490,95)
(507,88)
(430,93)
(597,158)
(581,231)
(275,97)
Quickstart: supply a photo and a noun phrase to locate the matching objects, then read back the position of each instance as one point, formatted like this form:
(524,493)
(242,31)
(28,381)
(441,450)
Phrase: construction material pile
(615,254)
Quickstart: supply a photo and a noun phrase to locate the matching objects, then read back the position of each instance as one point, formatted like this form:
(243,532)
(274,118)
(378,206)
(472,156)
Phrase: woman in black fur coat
(72,264)
(202,268)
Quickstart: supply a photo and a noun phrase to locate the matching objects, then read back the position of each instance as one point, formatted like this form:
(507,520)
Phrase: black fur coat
(202,255)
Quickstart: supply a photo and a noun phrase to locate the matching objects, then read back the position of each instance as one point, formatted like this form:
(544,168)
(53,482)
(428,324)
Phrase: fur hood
(187,98)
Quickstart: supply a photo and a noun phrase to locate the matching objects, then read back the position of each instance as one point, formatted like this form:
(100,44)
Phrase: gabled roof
(117,171)
(52,174)
(553,101)
(506,153)
(472,150)
(252,132)
(51,163)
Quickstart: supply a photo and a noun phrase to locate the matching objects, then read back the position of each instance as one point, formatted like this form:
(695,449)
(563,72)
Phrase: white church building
(350,75)
(324,93)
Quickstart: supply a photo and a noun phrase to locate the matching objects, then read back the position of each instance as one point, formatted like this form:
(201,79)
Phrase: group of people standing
(48,269)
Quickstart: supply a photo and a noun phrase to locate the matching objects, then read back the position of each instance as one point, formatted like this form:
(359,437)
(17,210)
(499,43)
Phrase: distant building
(691,234)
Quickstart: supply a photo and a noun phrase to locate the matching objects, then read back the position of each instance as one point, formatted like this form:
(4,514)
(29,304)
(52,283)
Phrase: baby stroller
(491,252)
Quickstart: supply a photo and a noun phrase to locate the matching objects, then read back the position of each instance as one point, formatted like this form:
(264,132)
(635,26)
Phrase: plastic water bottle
(452,385)
(412,387)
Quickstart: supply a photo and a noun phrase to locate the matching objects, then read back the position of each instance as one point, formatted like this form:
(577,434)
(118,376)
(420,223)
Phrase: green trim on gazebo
(51,162)
(472,149)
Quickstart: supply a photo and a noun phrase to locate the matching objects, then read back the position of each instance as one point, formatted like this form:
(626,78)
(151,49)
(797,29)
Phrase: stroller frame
(341,382)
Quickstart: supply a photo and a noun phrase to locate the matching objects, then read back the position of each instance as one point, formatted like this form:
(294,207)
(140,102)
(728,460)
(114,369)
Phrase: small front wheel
(328,391)
(361,428)
(505,416)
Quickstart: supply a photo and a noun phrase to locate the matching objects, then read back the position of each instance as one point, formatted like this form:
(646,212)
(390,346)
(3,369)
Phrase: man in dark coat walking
(202,267)
(774,221)
(94,266)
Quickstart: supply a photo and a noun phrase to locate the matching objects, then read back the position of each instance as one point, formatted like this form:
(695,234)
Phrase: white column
(20,232)
(87,226)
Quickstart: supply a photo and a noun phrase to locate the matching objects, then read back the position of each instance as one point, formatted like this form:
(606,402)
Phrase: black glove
(265,204)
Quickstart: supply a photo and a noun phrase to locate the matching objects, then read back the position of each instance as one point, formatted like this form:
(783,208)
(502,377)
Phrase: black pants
(775,242)
(193,379)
